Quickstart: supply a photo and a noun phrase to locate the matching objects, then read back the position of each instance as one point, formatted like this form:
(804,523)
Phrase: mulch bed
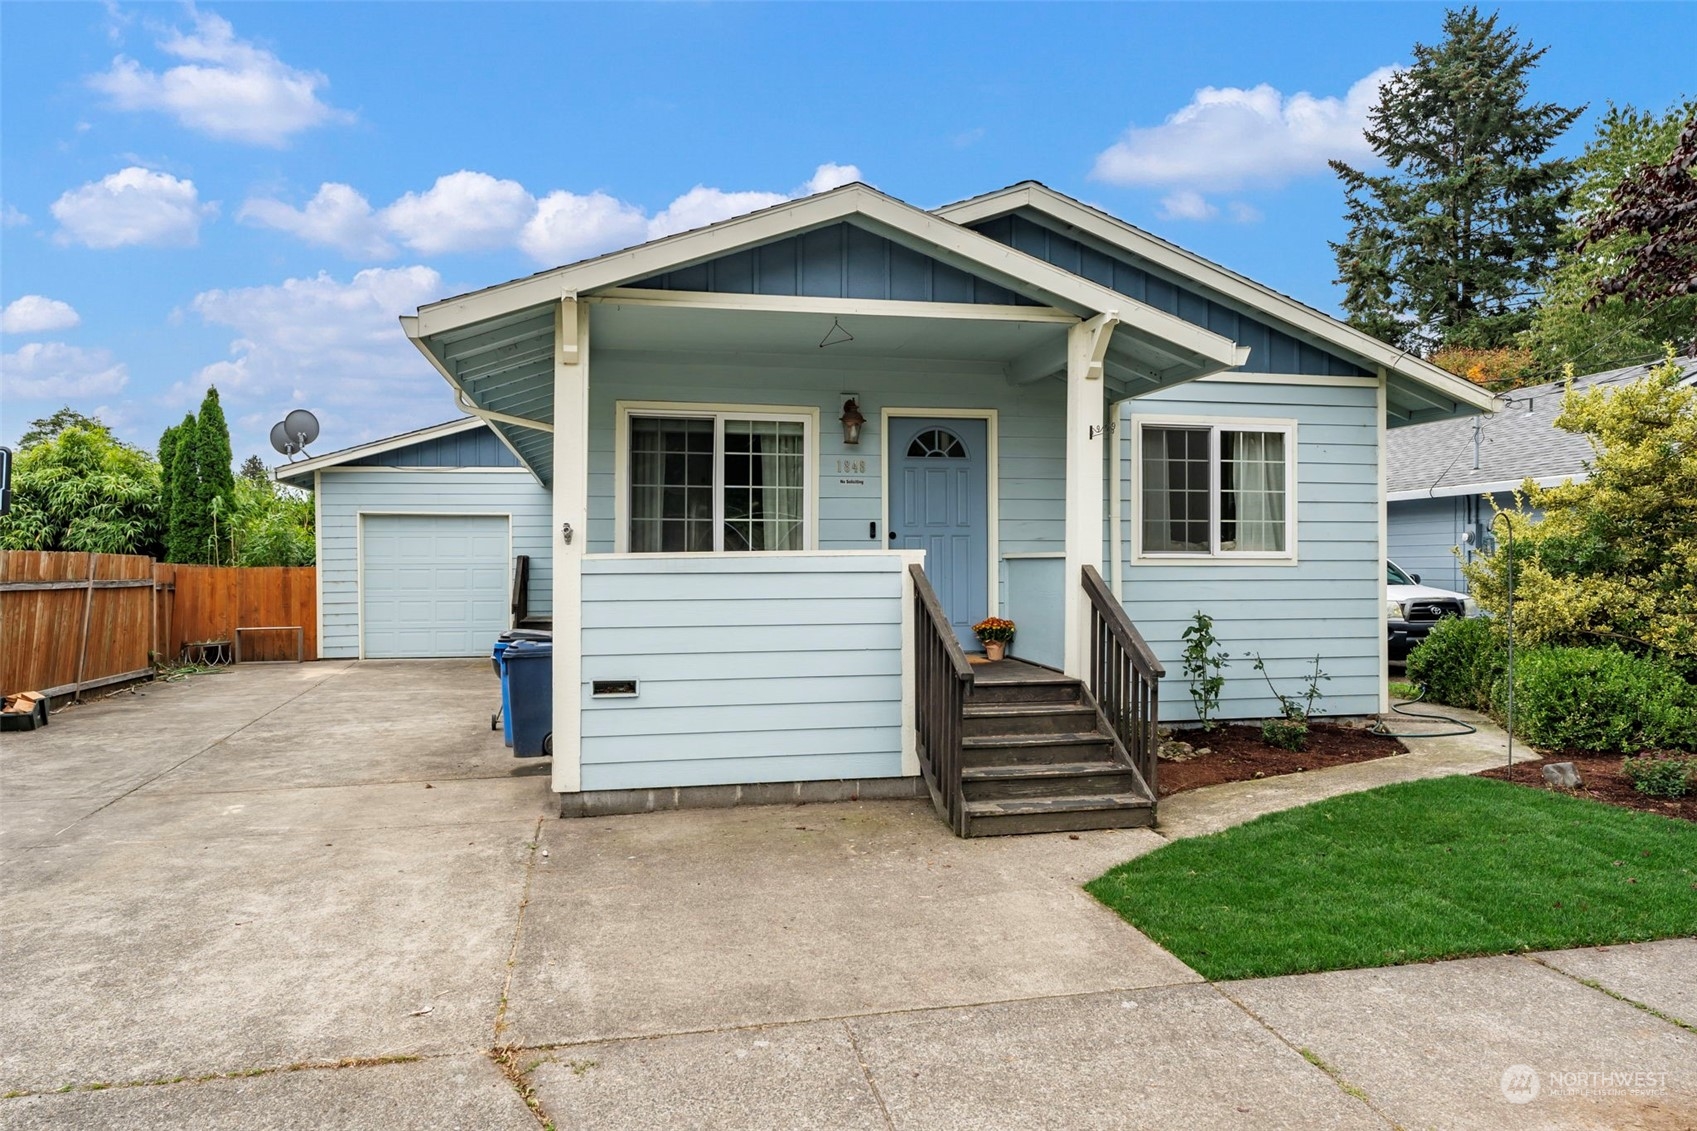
(1601,780)
(1236,753)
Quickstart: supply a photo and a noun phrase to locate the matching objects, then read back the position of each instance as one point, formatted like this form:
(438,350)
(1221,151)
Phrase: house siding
(475,447)
(1031,464)
(1423,534)
(1326,603)
(343,494)
(837,261)
(749,669)
(1272,350)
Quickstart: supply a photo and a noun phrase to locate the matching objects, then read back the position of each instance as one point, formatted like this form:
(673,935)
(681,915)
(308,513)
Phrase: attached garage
(433,585)
(417,540)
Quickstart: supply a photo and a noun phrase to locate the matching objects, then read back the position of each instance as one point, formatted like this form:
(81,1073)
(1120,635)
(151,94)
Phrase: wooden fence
(211,602)
(74,621)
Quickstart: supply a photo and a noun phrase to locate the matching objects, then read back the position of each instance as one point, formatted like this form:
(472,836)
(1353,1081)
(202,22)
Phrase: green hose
(1378,728)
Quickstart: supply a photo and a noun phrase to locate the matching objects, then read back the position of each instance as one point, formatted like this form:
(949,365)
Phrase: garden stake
(1509,526)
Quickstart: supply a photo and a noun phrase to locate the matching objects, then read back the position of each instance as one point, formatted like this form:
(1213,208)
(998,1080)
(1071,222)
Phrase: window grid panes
(700,484)
(1208,490)
(936,443)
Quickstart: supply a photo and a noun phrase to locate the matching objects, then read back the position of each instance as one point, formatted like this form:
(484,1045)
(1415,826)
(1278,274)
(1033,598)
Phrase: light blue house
(792,457)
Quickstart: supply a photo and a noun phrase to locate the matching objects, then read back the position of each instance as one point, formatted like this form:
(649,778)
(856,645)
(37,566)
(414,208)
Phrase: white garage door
(433,585)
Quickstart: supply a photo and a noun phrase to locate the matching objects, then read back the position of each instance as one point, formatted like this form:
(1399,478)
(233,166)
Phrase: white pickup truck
(1411,609)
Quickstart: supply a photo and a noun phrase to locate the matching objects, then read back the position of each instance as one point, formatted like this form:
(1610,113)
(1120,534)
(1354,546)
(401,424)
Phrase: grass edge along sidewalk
(1447,868)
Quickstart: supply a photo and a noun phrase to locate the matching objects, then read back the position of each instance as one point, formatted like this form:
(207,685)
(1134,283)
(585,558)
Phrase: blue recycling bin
(529,667)
(501,644)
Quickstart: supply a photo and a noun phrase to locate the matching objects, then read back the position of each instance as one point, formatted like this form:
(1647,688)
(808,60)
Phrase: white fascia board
(1457,490)
(1225,282)
(409,325)
(376,447)
(1060,287)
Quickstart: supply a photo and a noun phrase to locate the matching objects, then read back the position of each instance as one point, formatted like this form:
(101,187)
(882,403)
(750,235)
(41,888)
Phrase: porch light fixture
(852,420)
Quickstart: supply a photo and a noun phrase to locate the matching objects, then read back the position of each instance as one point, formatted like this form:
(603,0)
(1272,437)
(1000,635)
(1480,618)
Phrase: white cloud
(568,226)
(225,87)
(11,216)
(1228,138)
(472,211)
(338,216)
(320,343)
(829,176)
(1187,204)
(56,371)
(132,206)
(37,314)
(701,206)
(463,211)
(1243,213)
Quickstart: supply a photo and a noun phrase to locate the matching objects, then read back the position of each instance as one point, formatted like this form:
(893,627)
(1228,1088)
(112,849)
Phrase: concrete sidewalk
(325,895)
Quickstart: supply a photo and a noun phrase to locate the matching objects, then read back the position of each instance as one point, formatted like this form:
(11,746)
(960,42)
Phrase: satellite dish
(301,426)
(294,432)
(280,440)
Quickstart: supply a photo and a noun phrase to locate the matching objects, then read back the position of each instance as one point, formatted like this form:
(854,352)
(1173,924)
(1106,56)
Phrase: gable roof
(1420,383)
(1521,442)
(300,473)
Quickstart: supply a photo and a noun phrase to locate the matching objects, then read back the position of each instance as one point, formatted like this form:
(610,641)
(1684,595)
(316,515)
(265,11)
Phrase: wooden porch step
(1053,779)
(1024,691)
(984,719)
(1014,749)
(1058,814)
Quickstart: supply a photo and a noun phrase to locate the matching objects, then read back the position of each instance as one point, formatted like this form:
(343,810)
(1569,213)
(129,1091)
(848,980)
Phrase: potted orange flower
(995,633)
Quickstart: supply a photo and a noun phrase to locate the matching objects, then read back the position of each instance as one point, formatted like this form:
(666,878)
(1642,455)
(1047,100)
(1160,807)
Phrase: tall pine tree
(1447,246)
(184,531)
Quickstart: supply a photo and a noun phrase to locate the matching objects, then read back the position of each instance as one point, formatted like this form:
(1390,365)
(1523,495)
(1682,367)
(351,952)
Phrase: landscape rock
(1172,751)
(1562,775)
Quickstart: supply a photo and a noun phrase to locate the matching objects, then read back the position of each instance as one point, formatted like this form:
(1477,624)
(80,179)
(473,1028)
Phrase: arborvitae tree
(186,529)
(1465,221)
(216,481)
(167,465)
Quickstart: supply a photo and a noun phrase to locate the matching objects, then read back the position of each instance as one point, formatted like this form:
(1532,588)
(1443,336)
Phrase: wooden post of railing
(942,684)
(1124,676)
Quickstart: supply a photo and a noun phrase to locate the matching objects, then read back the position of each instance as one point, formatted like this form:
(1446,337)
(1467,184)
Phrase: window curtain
(782,488)
(1157,492)
(1253,467)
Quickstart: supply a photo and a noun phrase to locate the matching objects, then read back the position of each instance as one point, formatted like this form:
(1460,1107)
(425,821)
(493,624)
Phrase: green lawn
(1433,869)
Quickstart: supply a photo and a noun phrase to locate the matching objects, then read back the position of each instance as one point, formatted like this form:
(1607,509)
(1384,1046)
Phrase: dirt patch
(1236,753)
(1601,781)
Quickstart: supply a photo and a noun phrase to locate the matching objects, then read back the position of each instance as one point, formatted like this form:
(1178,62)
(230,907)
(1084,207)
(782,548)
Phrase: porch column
(571,533)
(1087,342)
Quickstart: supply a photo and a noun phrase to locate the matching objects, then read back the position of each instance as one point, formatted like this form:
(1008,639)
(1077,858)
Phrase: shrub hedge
(1592,699)
(1459,663)
(1602,700)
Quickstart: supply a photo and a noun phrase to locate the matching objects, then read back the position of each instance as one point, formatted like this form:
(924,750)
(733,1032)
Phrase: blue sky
(249,194)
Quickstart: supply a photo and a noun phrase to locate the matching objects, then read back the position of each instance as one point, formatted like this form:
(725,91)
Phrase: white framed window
(1218,489)
(693,479)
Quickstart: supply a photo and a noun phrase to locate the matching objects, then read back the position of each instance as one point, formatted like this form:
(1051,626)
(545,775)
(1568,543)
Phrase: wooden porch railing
(942,683)
(1124,676)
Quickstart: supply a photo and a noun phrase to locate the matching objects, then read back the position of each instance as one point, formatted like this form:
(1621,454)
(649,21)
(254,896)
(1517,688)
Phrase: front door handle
(892,535)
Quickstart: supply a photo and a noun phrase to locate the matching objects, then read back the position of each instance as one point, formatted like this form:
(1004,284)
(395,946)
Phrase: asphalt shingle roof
(1519,442)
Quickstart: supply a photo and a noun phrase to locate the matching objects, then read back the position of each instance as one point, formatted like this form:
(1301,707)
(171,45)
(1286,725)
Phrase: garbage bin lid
(513,634)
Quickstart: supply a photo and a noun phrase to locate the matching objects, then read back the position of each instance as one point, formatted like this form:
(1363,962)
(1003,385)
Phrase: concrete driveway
(325,895)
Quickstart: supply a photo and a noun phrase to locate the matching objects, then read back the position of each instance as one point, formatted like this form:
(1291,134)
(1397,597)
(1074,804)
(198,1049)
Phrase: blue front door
(939,503)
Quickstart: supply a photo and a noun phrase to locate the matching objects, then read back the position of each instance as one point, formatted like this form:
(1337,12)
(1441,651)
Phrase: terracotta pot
(995,649)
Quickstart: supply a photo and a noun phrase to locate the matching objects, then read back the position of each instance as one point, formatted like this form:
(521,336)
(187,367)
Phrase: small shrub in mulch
(1237,753)
(1602,778)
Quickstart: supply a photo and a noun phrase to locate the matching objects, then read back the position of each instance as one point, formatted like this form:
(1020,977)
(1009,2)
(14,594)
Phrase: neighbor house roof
(300,472)
(1520,442)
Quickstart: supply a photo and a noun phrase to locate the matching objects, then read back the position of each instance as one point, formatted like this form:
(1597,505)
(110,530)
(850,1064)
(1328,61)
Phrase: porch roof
(496,346)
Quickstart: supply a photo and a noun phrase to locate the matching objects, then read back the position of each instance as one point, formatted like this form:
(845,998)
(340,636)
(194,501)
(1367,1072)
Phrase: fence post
(87,613)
